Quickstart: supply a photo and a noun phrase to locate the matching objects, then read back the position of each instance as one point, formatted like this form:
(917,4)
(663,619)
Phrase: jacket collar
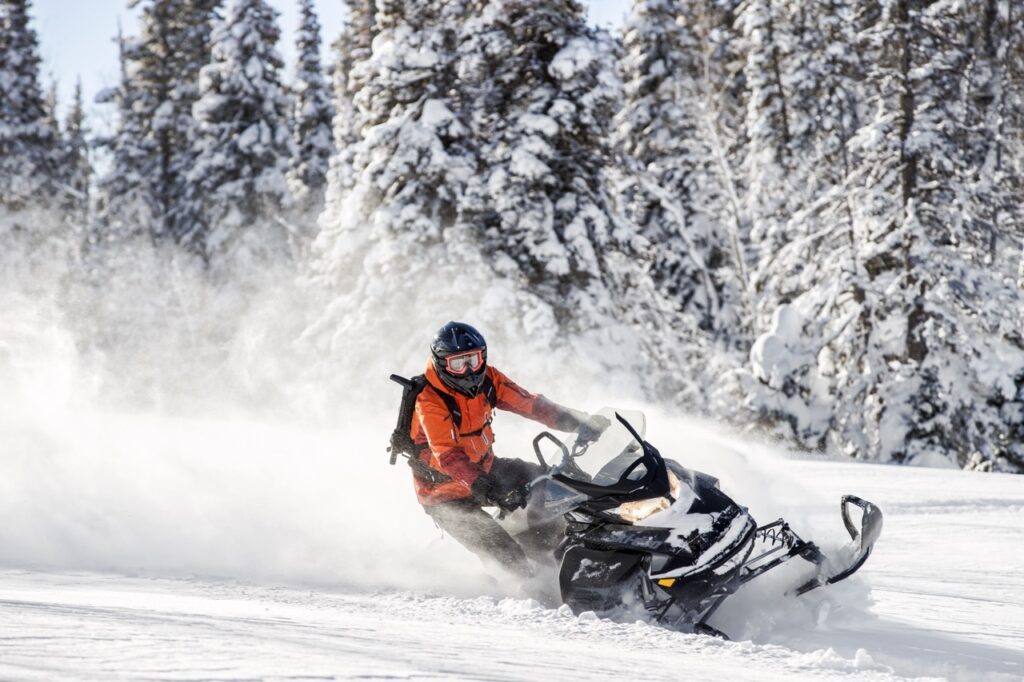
(435,380)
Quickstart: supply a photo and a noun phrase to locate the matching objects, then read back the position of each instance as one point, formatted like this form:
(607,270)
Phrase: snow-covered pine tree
(28,142)
(927,361)
(50,106)
(995,124)
(768,158)
(543,94)
(125,204)
(1009,105)
(58,149)
(77,168)
(876,360)
(812,285)
(409,166)
(413,244)
(311,120)
(351,47)
(720,51)
(1006,119)
(822,73)
(970,324)
(955,357)
(673,192)
(394,253)
(243,143)
(166,57)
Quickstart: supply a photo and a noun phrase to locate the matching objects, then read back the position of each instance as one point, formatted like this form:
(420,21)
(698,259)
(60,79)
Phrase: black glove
(592,428)
(484,489)
(515,499)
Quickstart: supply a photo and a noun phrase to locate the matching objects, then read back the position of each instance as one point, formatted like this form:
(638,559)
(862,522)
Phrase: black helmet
(460,357)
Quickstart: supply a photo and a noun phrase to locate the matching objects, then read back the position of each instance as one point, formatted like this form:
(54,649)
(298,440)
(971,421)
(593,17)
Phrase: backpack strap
(490,391)
(452,405)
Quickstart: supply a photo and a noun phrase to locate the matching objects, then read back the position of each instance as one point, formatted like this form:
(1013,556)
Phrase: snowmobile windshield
(602,463)
(618,467)
(605,460)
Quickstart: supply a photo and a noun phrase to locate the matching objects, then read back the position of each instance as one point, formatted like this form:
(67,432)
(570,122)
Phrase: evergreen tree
(994,108)
(351,47)
(393,241)
(243,144)
(51,117)
(412,150)
(312,118)
(768,159)
(674,194)
(822,73)
(125,206)
(543,95)
(75,162)
(926,360)
(405,162)
(419,235)
(813,285)
(165,62)
(353,43)
(28,141)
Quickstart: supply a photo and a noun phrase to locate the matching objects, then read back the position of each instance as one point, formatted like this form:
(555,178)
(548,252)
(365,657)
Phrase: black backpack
(401,438)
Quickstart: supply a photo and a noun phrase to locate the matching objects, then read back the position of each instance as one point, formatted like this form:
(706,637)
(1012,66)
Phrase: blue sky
(77,38)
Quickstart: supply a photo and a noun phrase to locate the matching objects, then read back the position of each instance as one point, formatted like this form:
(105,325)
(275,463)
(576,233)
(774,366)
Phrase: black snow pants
(476,530)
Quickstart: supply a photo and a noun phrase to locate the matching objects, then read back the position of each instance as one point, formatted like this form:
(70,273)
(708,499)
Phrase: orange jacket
(465,453)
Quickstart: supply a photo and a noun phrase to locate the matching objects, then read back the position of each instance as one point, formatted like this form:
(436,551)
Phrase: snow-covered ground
(149,548)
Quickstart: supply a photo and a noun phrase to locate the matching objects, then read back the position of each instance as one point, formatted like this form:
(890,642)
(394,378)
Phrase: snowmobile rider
(453,419)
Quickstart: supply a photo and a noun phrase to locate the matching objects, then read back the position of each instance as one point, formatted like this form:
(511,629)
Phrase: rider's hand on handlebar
(487,493)
(591,428)
(484,490)
(515,499)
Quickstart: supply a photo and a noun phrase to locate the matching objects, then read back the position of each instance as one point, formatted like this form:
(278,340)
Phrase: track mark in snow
(1014,505)
(177,630)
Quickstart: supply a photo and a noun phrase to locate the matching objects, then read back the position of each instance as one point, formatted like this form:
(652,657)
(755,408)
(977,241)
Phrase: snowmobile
(631,530)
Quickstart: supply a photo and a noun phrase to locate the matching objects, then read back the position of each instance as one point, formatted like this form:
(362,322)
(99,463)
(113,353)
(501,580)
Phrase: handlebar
(546,435)
(579,448)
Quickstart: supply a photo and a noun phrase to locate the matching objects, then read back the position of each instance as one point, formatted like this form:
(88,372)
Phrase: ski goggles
(464,362)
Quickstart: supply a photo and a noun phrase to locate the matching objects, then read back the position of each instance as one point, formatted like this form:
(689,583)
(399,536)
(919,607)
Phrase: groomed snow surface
(129,551)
